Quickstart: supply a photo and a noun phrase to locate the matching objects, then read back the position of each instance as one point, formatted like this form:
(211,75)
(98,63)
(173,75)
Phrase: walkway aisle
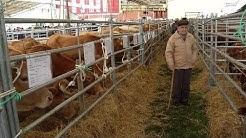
(181,121)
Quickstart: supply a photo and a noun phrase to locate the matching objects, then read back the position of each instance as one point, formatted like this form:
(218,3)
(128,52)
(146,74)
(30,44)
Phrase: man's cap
(183,21)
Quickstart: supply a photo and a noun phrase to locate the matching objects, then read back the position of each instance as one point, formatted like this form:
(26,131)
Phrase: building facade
(87,9)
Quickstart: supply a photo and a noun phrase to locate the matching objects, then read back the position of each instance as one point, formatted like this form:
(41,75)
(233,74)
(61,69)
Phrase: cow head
(40,98)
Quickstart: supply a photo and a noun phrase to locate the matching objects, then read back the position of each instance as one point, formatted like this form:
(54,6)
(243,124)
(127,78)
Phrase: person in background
(174,26)
(181,55)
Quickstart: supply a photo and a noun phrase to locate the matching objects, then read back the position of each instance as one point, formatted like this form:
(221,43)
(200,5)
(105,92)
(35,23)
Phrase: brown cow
(60,41)
(126,29)
(40,98)
(68,64)
(43,97)
(23,44)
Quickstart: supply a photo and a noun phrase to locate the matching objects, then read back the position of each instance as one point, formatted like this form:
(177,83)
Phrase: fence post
(203,36)
(227,22)
(112,48)
(214,54)
(141,43)
(197,28)
(9,122)
(80,76)
(211,66)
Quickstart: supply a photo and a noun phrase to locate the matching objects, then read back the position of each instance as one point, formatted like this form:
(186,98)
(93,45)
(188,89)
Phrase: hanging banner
(39,70)
(125,41)
(108,46)
(89,53)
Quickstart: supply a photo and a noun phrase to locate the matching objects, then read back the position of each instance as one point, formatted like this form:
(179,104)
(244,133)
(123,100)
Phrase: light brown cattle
(126,29)
(60,41)
(40,98)
(23,44)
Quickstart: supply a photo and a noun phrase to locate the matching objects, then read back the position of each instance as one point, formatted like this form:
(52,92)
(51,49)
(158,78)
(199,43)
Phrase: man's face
(182,30)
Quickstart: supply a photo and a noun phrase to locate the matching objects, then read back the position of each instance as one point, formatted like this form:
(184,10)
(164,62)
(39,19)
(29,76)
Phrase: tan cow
(23,44)
(60,41)
(40,98)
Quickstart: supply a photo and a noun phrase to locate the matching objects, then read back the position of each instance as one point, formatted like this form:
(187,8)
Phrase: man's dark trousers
(181,85)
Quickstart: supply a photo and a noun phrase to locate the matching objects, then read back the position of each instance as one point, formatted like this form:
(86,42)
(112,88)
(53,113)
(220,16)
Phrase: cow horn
(18,71)
(62,86)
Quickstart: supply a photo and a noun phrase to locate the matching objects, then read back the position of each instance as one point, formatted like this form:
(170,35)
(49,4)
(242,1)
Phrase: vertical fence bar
(203,36)
(79,80)
(197,28)
(226,33)
(112,48)
(141,43)
(9,125)
(212,52)
(128,52)
(128,56)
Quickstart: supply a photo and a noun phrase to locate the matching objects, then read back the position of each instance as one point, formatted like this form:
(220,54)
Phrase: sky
(177,8)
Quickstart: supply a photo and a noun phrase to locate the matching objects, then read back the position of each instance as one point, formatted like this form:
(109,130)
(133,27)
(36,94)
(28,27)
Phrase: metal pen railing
(145,48)
(215,35)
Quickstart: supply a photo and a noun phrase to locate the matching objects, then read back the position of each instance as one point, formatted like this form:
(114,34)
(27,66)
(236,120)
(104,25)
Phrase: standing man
(181,55)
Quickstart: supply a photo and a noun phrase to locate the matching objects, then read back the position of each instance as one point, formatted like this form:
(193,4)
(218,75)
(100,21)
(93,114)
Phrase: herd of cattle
(54,94)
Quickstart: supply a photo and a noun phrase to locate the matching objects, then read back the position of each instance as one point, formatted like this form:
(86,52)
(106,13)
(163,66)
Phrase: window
(86,2)
(58,6)
(77,1)
(86,10)
(95,2)
(78,11)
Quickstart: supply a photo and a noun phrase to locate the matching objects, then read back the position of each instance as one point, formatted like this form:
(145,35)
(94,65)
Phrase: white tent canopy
(15,6)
